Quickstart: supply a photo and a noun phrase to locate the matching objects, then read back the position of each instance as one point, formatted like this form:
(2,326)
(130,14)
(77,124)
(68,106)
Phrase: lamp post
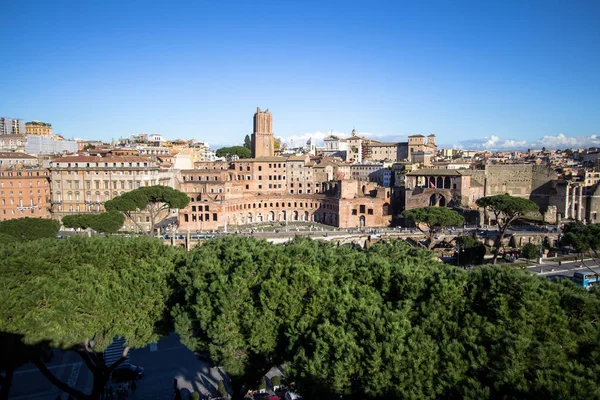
(459,247)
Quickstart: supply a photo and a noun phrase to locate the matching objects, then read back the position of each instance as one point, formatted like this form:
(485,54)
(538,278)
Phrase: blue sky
(498,74)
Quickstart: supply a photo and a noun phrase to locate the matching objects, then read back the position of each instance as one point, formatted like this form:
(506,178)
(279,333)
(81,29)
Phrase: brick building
(278,190)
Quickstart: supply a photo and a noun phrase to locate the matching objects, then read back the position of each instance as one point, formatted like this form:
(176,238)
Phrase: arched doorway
(249,218)
(295,215)
(433,200)
(361,221)
(271,216)
(442,202)
(306,216)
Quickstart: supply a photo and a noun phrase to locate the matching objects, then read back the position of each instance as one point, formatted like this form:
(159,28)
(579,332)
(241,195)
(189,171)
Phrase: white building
(47,145)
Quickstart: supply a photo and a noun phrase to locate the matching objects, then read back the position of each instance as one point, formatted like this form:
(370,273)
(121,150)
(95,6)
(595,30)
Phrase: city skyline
(506,76)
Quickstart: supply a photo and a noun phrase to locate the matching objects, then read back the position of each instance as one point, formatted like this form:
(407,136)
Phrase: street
(162,362)
(565,270)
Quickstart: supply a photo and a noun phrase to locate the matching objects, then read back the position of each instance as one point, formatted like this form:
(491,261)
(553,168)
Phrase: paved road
(564,270)
(163,362)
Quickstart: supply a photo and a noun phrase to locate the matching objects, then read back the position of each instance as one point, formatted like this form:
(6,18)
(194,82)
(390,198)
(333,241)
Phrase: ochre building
(24,192)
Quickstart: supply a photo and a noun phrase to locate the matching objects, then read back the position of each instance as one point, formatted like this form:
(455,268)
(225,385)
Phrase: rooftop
(88,159)
(435,172)
(9,154)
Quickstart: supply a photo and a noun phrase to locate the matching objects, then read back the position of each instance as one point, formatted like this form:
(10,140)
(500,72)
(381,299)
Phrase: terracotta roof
(296,158)
(434,171)
(263,159)
(22,137)
(383,144)
(87,159)
(9,154)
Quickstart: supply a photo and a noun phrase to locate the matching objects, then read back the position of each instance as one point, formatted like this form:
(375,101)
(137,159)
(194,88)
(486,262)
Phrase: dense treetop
(80,288)
(386,322)
(24,229)
(240,151)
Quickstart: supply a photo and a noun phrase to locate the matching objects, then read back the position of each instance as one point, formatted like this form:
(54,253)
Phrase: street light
(459,247)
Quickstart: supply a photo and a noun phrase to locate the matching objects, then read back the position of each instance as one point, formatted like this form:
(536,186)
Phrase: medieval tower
(263,140)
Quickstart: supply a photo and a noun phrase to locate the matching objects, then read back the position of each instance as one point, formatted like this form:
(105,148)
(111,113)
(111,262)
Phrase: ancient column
(579,204)
(566,202)
(573,190)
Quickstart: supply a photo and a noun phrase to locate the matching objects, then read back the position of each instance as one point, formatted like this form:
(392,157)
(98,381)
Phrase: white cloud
(492,142)
(561,141)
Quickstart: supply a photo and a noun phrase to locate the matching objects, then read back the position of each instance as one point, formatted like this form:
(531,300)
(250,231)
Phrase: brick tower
(263,140)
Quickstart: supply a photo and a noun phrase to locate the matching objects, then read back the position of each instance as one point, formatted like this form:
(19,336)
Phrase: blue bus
(587,279)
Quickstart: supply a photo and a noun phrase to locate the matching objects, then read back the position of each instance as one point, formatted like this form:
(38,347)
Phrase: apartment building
(82,184)
(24,192)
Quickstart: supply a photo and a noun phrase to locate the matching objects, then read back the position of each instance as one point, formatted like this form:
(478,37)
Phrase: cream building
(81,184)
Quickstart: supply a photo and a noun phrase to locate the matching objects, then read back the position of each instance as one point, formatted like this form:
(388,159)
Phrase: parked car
(128,372)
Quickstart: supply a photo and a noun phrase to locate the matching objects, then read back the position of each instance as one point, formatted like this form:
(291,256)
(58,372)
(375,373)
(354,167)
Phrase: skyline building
(12,126)
(263,138)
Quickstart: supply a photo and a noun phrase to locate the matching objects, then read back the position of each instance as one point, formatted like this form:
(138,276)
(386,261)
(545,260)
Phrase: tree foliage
(387,322)
(435,219)
(75,291)
(240,151)
(531,251)
(107,222)
(25,229)
(247,143)
(507,209)
(583,238)
(157,201)
(472,251)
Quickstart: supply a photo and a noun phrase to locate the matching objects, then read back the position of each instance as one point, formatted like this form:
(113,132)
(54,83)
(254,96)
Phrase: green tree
(583,238)
(77,221)
(240,151)
(531,251)
(239,331)
(108,222)
(75,292)
(247,142)
(507,209)
(469,250)
(434,219)
(221,389)
(157,201)
(276,380)
(26,229)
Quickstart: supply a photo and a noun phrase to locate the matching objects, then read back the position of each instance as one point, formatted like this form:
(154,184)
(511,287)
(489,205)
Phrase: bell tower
(263,139)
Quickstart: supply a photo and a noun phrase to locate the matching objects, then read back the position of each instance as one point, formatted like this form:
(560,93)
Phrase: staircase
(114,352)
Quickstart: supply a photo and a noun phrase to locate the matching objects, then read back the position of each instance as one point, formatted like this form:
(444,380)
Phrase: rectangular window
(214,216)
(362,209)
(370,211)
